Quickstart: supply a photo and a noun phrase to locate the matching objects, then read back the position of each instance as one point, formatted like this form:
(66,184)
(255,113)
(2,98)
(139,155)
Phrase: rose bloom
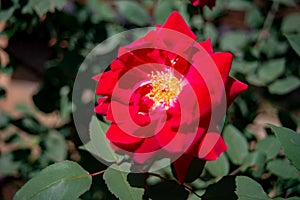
(165,95)
(202,3)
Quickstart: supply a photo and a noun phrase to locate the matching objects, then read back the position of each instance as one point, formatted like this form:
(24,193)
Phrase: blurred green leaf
(210,31)
(254,17)
(271,70)
(4,120)
(244,67)
(127,8)
(99,145)
(248,189)
(223,189)
(63,180)
(284,86)
(56,147)
(219,167)
(236,143)
(255,80)
(233,41)
(65,103)
(256,161)
(212,14)
(42,7)
(238,5)
(8,166)
(101,11)
(290,141)
(270,146)
(291,23)
(286,2)
(162,11)
(116,181)
(271,46)
(6,14)
(282,169)
(294,40)
(292,198)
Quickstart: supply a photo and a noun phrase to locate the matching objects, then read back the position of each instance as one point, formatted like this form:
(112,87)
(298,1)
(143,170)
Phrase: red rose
(165,95)
(202,3)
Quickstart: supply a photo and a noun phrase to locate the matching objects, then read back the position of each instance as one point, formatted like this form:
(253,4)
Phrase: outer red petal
(233,89)
(223,61)
(177,23)
(121,139)
(106,83)
(102,107)
(211,146)
(207,46)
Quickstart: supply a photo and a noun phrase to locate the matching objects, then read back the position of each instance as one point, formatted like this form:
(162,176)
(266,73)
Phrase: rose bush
(202,3)
(165,95)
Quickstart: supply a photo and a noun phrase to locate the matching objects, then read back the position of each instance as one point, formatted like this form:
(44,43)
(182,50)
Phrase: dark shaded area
(167,190)
(224,189)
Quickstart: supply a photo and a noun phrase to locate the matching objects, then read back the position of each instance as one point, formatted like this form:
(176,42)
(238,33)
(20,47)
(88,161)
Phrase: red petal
(223,61)
(176,22)
(211,147)
(107,82)
(102,107)
(207,46)
(121,139)
(181,166)
(233,89)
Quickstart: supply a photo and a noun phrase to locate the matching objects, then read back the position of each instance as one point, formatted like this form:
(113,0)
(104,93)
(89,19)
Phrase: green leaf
(270,146)
(234,41)
(256,161)
(6,14)
(127,8)
(56,148)
(284,86)
(64,180)
(248,189)
(282,169)
(290,141)
(219,167)
(116,181)
(291,23)
(7,165)
(99,145)
(162,10)
(271,70)
(294,40)
(237,144)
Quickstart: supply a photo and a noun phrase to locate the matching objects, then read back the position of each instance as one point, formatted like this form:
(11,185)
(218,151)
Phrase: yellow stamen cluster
(165,89)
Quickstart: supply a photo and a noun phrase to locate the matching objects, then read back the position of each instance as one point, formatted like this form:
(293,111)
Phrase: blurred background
(43,43)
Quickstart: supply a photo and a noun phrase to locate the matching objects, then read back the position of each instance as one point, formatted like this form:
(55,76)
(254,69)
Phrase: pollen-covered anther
(165,89)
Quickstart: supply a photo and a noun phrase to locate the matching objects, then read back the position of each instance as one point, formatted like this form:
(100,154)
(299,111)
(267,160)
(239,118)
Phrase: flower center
(165,89)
